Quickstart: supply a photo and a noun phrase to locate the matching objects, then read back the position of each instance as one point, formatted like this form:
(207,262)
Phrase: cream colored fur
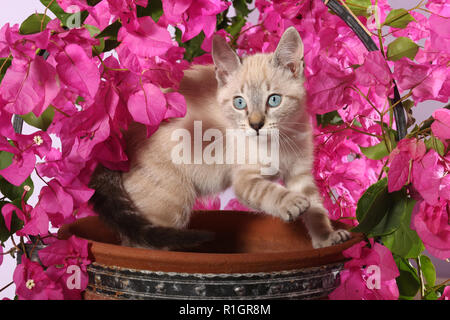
(165,192)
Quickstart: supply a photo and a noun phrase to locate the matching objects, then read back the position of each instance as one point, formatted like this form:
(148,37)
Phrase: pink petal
(148,40)
(398,172)
(78,71)
(148,106)
(20,168)
(441,124)
(29,87)
(426,176)
(176,105)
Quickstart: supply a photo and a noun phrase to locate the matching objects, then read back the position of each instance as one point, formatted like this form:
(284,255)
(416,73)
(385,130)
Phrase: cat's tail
(114,206)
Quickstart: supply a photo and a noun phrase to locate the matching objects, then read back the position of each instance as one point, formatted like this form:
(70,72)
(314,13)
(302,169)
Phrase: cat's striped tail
(115,207)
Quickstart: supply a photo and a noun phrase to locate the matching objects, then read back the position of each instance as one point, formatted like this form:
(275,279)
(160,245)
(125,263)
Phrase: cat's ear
(225,59)
(289,52)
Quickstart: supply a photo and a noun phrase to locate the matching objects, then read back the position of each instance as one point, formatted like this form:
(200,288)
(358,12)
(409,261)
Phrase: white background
(17,11)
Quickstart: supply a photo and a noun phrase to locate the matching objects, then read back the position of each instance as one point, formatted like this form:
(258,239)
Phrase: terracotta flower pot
(254,256)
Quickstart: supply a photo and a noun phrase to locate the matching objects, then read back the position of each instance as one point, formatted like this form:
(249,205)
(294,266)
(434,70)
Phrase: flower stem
(12,282)
(420,274)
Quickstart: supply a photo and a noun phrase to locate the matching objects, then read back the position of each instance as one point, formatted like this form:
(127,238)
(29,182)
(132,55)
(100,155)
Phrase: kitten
(151,204)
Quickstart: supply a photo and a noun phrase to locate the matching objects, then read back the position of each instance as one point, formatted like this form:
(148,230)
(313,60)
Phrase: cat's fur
(151,204)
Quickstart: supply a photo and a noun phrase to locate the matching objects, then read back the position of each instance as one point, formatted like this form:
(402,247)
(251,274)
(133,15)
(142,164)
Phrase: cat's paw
(292,206)
(335,237)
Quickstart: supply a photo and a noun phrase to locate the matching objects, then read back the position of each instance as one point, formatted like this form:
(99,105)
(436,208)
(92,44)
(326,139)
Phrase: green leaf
(435,144)
(408,282)
(396,213)
(359,7)
(16,223)
(329,118)
(193,46)
(5,159)
(402,47)
(373,205)
(6,63)
(405,242)
(376,152)
(93,31)
(154,9)
(92,3)
(241,7)
(110,45)
(13,192)
(110,31)
(34,23)
(43,121)
(431,295)
(428,270)
(63,16)
(398,18)
(236,26)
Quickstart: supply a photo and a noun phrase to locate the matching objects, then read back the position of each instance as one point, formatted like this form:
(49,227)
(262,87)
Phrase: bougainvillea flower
(406,151)
(370,275)
(235,205)
(78,71)
(66,262)
(441,124)
(426,176)
(32,283)
(192,17)
(29,86)
(431,224)
(212,203)
(21,166)
(148,40)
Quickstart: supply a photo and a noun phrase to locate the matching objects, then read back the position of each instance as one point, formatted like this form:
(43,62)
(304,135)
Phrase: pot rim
(213,263)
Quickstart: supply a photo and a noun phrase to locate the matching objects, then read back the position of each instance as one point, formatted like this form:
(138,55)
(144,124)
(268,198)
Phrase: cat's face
(263,91)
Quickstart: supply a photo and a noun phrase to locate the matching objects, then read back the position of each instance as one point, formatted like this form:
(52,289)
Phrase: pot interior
(235,232)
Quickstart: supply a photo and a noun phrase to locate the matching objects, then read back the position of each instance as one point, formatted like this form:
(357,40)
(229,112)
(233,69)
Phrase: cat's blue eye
(239,103)
(274,100)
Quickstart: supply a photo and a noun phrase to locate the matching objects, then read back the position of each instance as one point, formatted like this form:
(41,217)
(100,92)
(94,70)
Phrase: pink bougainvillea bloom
(425,80)
(65,260)
(356,280)
(29,87)
(32,283)
(21,166)
(35,219)
(445,294)
(426,176)
(431,224)
(78,71)
(441,124)
(148,40)
(375,73)
(235,205)
(56,202)
(327,88)
(192,17)
(212,203)
(7,212)
(406,151)
(148,106)
(126,11)
(36,222)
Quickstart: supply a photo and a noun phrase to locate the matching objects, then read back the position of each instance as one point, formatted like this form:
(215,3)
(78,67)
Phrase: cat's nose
(257,125)
(256,120)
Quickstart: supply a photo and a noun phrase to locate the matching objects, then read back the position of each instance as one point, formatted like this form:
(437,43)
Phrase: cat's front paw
(335,237)
(292,206)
